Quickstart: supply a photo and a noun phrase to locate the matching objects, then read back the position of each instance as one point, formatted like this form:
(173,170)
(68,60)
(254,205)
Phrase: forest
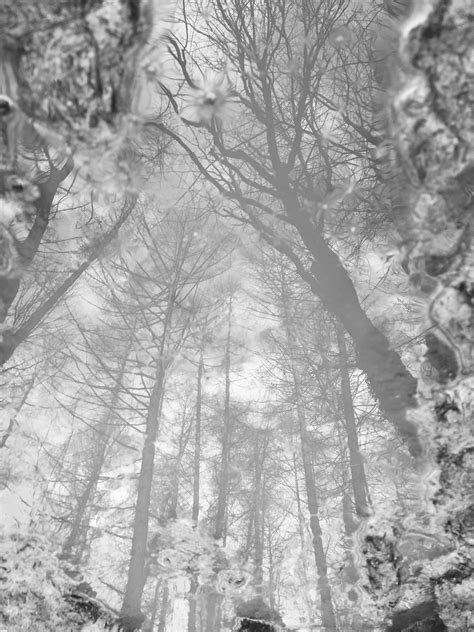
(236,315)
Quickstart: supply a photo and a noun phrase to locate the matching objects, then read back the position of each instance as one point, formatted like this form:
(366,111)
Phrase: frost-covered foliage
(37,594)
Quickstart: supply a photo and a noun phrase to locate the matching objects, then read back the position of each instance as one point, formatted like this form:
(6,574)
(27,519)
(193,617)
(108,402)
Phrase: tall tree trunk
(328,616)
(259,513)
(220,525)
(327,611)
(131,615)
(301,529)
(197,442)
(192,603)
(154,607)
(174,496)
(358,478)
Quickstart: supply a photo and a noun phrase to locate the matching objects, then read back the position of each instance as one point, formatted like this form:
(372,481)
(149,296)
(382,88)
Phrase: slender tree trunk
(164,608)
(358,478)
(327,610)
(301,528)
(223,490)
(131,616)
(154,608)
(259,517)
(183,441)
(197,442)
(192,601)
(271,582)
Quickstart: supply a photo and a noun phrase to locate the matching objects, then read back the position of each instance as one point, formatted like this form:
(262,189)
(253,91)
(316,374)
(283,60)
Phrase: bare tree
(285,170)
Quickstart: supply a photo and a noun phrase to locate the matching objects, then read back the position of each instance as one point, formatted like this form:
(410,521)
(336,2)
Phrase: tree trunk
(327,610)
(174,496)
(197,442)
(192,602)
(163,608)
(259,516)
(358,478)
(301,529)
(223,490)
(391,383)
(131,615)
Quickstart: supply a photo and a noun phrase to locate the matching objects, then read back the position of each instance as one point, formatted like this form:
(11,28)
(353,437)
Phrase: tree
(222,497)
(165,299)
(284,171)
(284,133)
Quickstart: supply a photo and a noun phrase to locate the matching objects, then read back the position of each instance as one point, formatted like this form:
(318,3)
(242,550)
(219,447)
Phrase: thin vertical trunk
(271,583)
(154,608)
(301,528)
(327,611)
(358,478)
(183,441)
(131,616)
(197,442)
(259,517)
(164,608)
(220,527)
(328,616)
(192,602)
